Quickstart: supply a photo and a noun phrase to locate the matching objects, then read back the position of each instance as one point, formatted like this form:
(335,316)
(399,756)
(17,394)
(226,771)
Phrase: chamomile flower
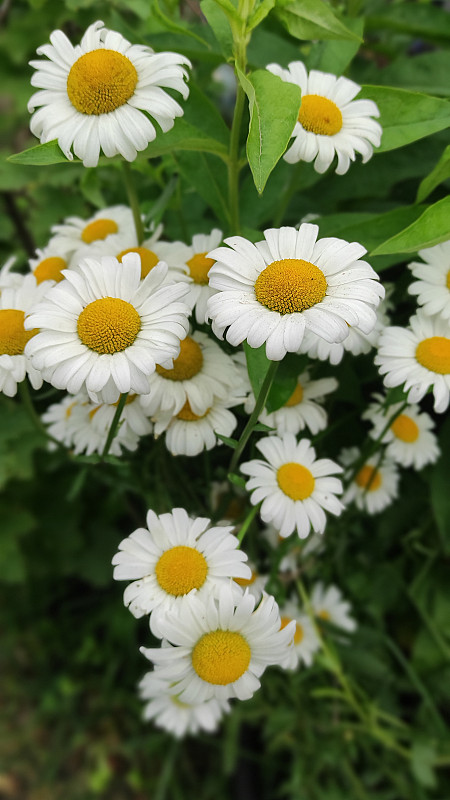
(201,373)
(375,485)
(195,259)
(302,409)
(172,557)
(9,278)
(132,418)
(306,641)
(75,232)
(410,439)
(168,712)
(222,646)
(295,488)
(432,286)
(50,262)
(255,584)
(105,330)
(101,94)
(16,302)
(187,433)
(330,121)
(275,290)
(60,420)
(418,358)
(328,604)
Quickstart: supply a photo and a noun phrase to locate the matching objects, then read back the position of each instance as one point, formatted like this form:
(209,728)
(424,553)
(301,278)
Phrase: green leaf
(170,25)
(423,755)
(260,13)
(406,116)
(432,227)
(440,496)
(218,21)
(233,443)
(41,155)
(336,55)
(440,173)
(274,106)
(425,21)
(427,72)
(208,177)
(285,380)
(257,366)
(312,19)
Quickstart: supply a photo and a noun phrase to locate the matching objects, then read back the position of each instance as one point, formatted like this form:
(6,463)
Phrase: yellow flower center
(295,398)
(448,280)
(290,285)
(187,415)
(98,229)
(13,336)
(299,633)
(369,478)
(324,614)
(434,354)
(319,115)
(149,259)
(49,269)
(186,365)
(296,481)
(405,428)
(221,657)
(181,569)
(108,325)
(101,81)
(199,267)
(246,581)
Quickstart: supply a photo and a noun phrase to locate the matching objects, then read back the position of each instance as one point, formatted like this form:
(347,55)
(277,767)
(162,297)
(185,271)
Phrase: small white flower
(418,358)
(100,95)
(8,278)
(50,262)
(329,605)
(410,440)
(295,488)
(172,557)
(330,121)
(222,646)
(75,232)
(187,433)
(433,285)
(196,263)
(275,290)
(255,584)
(375,485)
(105,330)
(306,641)
(60,420)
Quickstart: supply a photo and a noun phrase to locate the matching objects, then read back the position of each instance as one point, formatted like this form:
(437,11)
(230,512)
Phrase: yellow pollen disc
(13,336)
(447,283)
(319,115)
(324,614)
(187,415)
(296,397)
(199,267)
(405,428)
(364,478)
(98,229)
(186,365)
(221,657)
(298,635)
(296,481)
(149,259)
(434,354)
(50,269)
(108,325)
(247,581)
(290,285)
(101,81)
(181,569)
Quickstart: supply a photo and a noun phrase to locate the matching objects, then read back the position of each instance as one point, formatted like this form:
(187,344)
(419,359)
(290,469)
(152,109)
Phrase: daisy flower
(375,485)
(16,302)
(196,263)
(417,358)
(168,712)
(170,558)
(101,94)
(329,605)
(410,439)
(105,330)
(330,121)
(75,232)
(276,289)
(201,373)
(50,262)
(8,278)
(222,646)
(302,409)
(306,641)
(132,418)
(91,433)
(432,286)
(255,584)
(60,420)
(187,433)
(295,488)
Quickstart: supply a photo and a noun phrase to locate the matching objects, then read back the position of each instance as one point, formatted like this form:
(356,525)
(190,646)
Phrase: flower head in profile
(409,440)
(328,604)
(275,290)
(102,94)
(330,121)
(306,640)
(432,284)
(374,486)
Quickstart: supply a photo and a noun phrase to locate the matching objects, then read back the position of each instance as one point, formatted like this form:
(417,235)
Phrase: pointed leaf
(312,19)
(41,155)
(432,227)
(440,173)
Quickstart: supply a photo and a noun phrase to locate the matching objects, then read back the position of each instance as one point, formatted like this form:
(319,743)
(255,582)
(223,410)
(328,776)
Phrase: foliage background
(71,725)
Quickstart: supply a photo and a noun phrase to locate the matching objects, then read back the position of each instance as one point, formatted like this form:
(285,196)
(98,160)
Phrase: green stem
(234,166)
(114,424)
(247,522)
(374,445)
(24,391)
(259,405)
(133,201)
